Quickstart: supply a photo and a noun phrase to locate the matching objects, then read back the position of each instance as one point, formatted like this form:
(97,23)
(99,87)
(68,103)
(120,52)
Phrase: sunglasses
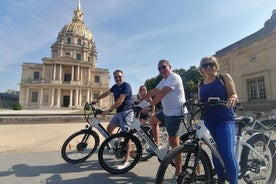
(205,65)
(117,77)
(162,67)
(142,89)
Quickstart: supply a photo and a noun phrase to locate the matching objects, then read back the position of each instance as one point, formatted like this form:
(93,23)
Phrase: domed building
(69,78)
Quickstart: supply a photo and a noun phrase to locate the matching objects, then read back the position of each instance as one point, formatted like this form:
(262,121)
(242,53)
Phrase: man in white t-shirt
(170,92)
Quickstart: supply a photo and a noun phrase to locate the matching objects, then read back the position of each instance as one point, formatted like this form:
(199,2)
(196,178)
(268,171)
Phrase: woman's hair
(143,86)
(210,59)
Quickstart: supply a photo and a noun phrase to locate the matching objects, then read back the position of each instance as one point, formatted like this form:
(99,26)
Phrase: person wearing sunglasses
(123,105)
(170,91)
(220,120)
(144,116)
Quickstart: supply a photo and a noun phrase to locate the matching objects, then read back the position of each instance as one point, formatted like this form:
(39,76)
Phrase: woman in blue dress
(220,120)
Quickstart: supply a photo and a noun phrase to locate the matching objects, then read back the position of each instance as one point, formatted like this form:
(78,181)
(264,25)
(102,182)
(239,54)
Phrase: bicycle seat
(259,113)
(245,120)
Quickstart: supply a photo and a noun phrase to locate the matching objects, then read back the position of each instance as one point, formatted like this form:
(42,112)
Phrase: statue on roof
(272,19)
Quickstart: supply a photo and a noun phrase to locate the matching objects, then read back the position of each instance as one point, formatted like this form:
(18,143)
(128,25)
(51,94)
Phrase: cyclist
(122,93)
(170,92)
(220,120)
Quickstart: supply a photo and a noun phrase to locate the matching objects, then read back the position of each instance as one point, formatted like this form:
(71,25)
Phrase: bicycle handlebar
(90,107)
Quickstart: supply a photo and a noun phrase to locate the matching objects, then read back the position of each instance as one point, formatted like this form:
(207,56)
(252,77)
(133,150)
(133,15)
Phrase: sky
(130,35)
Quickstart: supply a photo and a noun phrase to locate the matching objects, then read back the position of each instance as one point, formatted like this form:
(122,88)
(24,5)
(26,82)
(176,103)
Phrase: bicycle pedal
(254,168)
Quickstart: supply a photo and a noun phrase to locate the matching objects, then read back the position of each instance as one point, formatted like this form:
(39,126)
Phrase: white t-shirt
(144,104)
(173,101)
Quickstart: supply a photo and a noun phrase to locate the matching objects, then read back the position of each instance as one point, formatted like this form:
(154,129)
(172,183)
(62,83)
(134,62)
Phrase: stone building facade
(68,78)
(252,63)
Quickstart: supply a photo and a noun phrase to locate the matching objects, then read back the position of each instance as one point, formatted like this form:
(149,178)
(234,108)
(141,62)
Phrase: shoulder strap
(219,76)
(221,79)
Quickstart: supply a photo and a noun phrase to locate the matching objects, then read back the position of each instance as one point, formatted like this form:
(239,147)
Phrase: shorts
(172,123)
(144,116)
(122,120)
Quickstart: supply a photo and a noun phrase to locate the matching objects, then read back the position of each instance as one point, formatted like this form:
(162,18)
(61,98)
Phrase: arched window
(78,57)
(79,41)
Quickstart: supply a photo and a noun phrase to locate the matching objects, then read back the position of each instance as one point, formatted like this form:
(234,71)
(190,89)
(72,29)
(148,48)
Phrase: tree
(17,106)
(191,78)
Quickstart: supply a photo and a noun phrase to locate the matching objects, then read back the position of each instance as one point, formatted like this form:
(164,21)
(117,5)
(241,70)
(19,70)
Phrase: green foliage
(17,106)
(191,78)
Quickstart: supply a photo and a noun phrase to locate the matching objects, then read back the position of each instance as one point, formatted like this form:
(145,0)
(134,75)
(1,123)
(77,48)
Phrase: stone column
(43,72)
(89,75)
(60,72)
(54,72)
(41,97)
(80,98)
(72,77)
(71,98)
(76,97)
(81,73)
(52,97)
(58,97)
(27,97)
(78,73)
(88,96)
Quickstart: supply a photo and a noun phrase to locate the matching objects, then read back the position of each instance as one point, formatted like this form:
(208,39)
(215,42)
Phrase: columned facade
(69,78)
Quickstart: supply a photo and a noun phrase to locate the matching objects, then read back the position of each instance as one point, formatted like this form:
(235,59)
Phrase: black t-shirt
(125,88)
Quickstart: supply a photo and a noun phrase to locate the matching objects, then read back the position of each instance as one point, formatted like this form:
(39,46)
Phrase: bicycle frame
(94,122)
(160,153)
(202,133)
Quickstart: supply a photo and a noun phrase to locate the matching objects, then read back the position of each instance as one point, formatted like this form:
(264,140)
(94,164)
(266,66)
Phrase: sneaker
(111,151)
(124,165)
(177,179)
(149,150)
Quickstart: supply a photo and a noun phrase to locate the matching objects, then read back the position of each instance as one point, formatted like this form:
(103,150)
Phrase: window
(67,77)
(34,97)
(78,57)
(97,78)
(256,88)
(79,41)
(36,75)
(67,54)
(68,40)
(96,95)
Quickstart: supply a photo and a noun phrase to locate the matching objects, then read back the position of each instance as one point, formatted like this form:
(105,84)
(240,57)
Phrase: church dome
(77,27)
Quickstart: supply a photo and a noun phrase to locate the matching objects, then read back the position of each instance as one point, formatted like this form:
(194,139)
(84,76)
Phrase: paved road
(49,168)
(30,154)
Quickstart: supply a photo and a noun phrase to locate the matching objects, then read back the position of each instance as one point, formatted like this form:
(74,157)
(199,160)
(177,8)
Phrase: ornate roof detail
(77,27)
(272,19)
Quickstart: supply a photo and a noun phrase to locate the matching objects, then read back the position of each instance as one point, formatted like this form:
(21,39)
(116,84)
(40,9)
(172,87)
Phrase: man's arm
(150,94)
(160,95)
(103,95)
(118,102)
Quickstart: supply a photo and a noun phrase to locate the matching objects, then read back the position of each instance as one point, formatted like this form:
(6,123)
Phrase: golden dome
(77,27)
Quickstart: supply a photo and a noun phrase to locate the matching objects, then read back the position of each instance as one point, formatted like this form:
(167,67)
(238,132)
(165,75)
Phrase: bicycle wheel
(80,146)
(202,169)
(253,168)
(125,148)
